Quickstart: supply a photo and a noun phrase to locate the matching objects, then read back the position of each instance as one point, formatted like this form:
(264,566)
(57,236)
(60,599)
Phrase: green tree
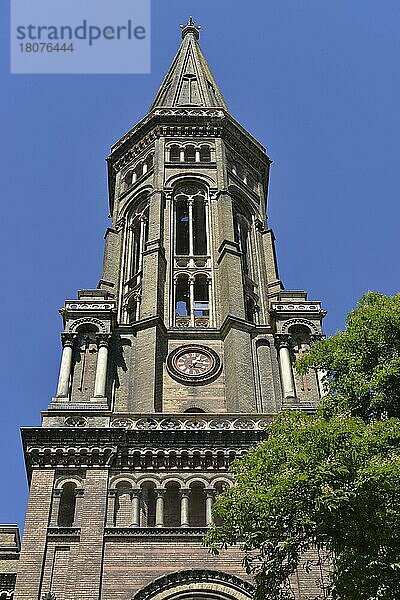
(363,361)
(329,483)
(330,486)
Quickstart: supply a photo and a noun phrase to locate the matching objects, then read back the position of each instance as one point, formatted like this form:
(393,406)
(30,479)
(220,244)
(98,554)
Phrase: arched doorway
(197,584)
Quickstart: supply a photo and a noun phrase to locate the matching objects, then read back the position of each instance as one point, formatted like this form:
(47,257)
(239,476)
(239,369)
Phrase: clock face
(193,364)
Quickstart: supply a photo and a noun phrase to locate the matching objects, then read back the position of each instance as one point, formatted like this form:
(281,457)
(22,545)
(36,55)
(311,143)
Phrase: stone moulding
(155,531)
(210,422)
(126,448)
(168,585)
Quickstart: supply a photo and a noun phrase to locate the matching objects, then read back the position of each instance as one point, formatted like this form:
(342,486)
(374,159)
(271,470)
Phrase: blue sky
(316,81)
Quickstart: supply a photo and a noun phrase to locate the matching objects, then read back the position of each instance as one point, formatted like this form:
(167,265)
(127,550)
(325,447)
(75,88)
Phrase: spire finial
(191,27)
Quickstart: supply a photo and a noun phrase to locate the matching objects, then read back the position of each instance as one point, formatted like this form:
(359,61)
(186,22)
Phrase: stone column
(210,303)
(197,155)
(136,508)
(182,155)
(210,494)
(191,299)
(285,362)
(190,216)
(66,365)
(185,507)
(160,493)
(102,364)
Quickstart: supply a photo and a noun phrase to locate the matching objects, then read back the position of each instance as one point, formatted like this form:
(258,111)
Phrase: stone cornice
(155,532)
(113,447)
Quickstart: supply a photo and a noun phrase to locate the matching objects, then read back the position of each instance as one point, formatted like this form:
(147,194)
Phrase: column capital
(103,339)
(135,492)
(282,340)
(160,492)
(68,339)
(210,492)
(316,337)
(184,492)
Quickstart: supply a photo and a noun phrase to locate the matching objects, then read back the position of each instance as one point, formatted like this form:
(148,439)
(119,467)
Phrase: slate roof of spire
(189,81)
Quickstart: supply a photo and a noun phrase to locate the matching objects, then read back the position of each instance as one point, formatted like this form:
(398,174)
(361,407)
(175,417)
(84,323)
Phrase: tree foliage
(363,361)
(318,485)
(328,484)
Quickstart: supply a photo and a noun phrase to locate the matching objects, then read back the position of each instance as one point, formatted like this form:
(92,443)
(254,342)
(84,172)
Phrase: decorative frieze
(124,532)
(192,423)
(89,306)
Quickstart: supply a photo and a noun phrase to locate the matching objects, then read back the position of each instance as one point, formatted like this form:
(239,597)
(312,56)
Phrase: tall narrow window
(191,229)
(123,505)
(205,154)
(182,297)
(182,227)
(190,154)
(136,239)
(66,512)
(199,228)
(241,232)
(192,266)
(174,155)
(201,305)
(197,506)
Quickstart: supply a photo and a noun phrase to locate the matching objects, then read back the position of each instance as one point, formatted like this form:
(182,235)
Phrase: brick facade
(171,368)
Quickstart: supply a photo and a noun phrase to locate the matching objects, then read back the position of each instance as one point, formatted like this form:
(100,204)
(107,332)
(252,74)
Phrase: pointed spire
(191,27)
(189,81)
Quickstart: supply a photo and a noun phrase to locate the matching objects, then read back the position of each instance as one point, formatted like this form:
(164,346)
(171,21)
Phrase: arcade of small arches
(144,501)
(142,167)
(250,179)
(189,153)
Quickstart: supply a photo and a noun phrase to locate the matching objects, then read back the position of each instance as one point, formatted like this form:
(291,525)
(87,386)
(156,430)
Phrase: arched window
(150,161)
(201,301)
(129,179)
(135,245)
(191,229)
(190,155)
(123,505)
(192,288)
(182,227)
(250,307)
(172,513)
(174,154)
(66,511)
(205,154)
(307,384)
(182,297)
(197,505)
(84,362)
(148,505)
(242,237)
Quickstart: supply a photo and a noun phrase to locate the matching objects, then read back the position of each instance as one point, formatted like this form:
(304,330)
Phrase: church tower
(171,368)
